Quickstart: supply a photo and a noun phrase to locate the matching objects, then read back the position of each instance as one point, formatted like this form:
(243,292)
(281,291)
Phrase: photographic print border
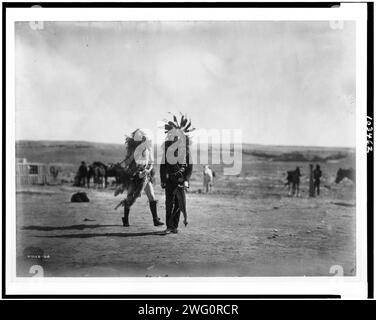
(370,157)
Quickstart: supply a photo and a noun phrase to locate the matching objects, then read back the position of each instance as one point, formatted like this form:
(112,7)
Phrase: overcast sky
(289,83)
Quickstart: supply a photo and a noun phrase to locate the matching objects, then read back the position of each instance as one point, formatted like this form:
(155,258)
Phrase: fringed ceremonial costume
(137,174)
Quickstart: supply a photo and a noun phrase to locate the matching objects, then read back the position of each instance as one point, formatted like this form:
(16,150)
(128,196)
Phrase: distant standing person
(316,176)
(208,175)
(311,182)
(82,173)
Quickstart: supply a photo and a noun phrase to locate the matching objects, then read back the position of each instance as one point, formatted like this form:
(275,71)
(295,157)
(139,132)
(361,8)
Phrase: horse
(293,181)
(345,173)
(89,174)
(117,171)
(208,175)
(98,171)
(100,177)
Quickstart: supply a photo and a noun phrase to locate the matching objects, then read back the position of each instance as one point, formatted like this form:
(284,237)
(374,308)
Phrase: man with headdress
(175,170)
(138,175)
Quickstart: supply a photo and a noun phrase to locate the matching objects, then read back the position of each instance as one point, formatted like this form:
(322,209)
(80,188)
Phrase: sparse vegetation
(295,156)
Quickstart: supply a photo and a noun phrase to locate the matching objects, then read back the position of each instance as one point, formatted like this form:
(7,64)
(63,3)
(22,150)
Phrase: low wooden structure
(33,173)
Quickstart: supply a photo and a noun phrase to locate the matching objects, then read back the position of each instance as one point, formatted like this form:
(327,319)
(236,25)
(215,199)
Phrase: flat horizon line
(243,143)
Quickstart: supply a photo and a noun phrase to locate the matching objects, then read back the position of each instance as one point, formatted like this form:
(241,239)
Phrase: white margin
(348,287)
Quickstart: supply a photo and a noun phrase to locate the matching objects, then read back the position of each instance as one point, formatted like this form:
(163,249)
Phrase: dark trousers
(316,186)
(172,206)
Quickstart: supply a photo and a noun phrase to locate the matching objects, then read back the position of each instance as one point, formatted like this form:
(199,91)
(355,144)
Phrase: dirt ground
(247,226)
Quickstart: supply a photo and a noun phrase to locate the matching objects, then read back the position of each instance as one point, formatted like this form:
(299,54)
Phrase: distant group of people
(96,171)
(293,181)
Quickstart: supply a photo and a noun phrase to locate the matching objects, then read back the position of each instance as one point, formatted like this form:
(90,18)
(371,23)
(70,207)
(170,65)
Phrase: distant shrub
(259,154)
(295,156)
(292,156)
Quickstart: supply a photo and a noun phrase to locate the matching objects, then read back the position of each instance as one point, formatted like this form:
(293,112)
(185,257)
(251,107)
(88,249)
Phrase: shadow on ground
(117,234)
(72,227)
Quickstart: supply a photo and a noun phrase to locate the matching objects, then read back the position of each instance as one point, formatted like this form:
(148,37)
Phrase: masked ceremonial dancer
(138,175)
(175,170)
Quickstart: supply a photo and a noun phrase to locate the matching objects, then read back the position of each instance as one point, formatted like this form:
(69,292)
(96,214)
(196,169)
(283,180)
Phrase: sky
(279,82)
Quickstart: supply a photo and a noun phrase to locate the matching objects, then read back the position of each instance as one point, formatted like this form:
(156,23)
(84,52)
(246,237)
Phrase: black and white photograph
(188,147)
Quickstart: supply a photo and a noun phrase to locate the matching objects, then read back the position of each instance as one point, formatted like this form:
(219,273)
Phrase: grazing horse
(208,175)
(293,181)
(98,171)
(345,173)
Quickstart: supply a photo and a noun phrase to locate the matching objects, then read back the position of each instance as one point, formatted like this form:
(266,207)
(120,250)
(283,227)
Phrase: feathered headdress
(184,124)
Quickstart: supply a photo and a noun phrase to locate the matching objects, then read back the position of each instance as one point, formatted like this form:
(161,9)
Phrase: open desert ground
(247,225)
